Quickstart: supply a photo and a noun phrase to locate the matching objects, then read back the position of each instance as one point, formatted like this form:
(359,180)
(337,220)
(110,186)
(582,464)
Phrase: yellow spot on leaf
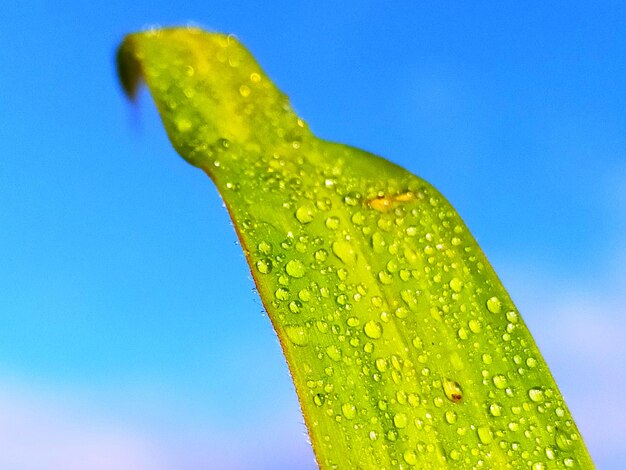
(388,202)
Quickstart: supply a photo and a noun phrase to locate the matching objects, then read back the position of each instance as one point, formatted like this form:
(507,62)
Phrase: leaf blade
(404,347)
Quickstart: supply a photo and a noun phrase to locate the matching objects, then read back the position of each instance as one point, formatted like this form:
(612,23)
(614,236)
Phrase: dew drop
(352,198)
(295,268)
(304,295)
(344,251)
(402,312)
(450,416)
(320,255)
(244,90)
(474,326)
(321,326)
(304,214)
(342,299)
(333,352)
(297,335)
(318,399)
(282,293)
(182,124)
(348,410)
(410,298)
(410,457)
(536,394)
(385,277)
(332,223)
(456,285)
(499,381)
(265,248)
(452,390)
(512,316)
(495,409)
(400,420)
(295,306)
(411,230)
(494,305)
(373,329)
(485,434)
(378,242)
(562,441)
(392,266)
(264,266)
(358,218)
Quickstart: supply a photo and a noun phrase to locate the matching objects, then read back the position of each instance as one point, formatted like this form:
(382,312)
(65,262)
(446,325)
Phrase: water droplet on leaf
(282,293)
(485,434)
(495,409)
(264,266)
(373,329)
(499,381)
(295,268)
(452,390)
(410,457)
(494,305)
(400,420)
(536,394)
(304,214)
(450,416)
(344,251)
(456,285)
(332,223)
(297,335)
(333,352)
(348,410)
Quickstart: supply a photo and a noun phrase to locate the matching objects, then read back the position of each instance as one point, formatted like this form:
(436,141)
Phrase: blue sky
(130,336)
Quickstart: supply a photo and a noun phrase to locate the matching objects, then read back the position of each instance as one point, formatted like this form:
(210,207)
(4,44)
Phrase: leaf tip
(128,68)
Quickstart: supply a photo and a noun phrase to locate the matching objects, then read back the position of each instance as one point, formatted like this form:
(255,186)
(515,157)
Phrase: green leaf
(404,347)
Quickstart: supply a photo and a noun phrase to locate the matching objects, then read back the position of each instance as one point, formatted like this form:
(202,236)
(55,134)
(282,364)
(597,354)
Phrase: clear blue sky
(130,336)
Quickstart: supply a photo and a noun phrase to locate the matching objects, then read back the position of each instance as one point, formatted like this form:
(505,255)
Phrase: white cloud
(38,434)
(583,341)
(42,431)
(580,328)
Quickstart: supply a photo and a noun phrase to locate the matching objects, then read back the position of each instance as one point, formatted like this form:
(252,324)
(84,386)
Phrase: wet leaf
(404,347)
